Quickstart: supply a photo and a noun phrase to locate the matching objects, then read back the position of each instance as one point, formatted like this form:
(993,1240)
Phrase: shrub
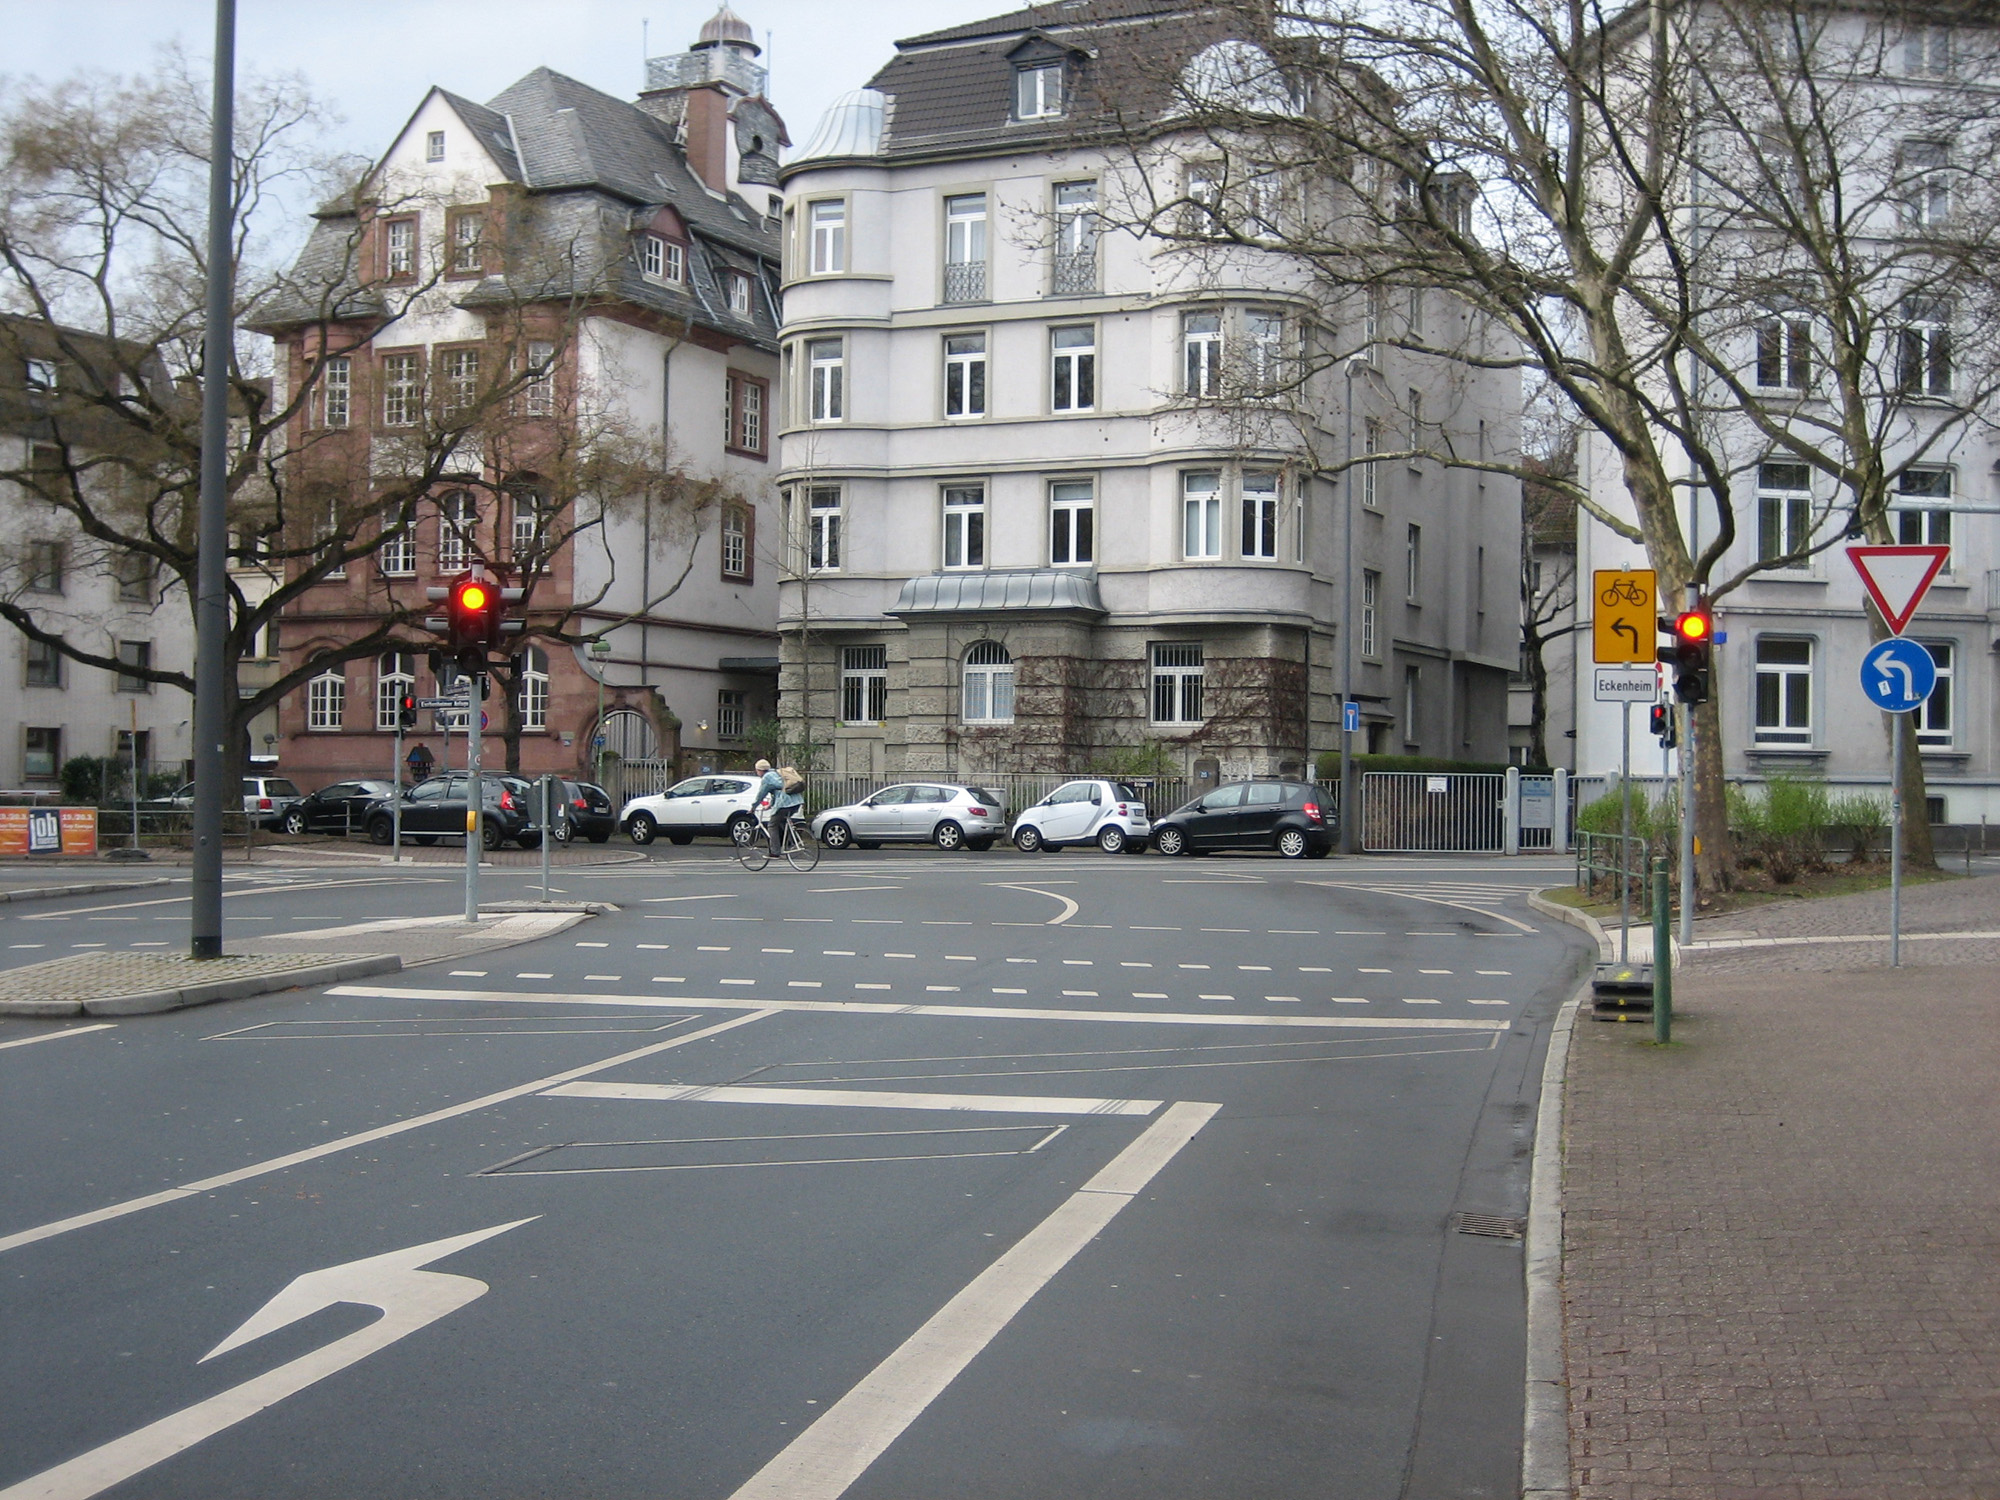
(1860,820)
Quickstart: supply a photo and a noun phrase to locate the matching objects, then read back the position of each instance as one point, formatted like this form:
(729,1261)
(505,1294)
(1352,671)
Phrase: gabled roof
(1054,16)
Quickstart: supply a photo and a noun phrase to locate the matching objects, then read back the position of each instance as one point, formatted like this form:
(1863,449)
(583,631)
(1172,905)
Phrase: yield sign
(1897,578)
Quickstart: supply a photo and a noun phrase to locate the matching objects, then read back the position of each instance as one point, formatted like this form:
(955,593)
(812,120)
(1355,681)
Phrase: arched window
(395,675)
(458,524)
(989,685)
(534,688)
(326,700)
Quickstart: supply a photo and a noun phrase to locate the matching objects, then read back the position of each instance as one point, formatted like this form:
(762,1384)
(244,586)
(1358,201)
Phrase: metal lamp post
(1348,801)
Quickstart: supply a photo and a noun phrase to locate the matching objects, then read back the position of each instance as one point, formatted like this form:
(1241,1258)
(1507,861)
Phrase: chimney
(707,135)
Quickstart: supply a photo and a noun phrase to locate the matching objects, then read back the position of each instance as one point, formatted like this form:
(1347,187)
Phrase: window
(989,685)
(46,564)
(829,237)
(41,754)
(738,287)
(134,658)
(965,248)
(660,259)
(1371,321)
(531,695)
(1413,563)
(336,391)
(1416,432)
(1784,691)
(458,525)
(825,359)
(135,572)
(1073,369)
(1371,595)
(401,402)
(1260,515)
(864,684)
(1201,514)
(1924,173)
(461,379)
(1264,338)
(326,700)
(45,665)
(538,396)
(1923,349)
(965,375)
(1177,682)
(1038,91)
(823,528)
(467,258)
(744,400)
(1413,698)
(1784,512)
(1927,52)
(434,146)
(1416,319)
(965,526)
(1917,524)
(1371,442)
(1074,269)
(1934,713)
(1201,349)
(395,675)
(1299,521)
(1072,523)
(331,541)
(1204,196)
(1784,353)
(530,542)
(736,524)
(40,376)
(731,713)
(399,249)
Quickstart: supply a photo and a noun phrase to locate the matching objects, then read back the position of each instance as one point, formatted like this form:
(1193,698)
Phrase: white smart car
(1109,814)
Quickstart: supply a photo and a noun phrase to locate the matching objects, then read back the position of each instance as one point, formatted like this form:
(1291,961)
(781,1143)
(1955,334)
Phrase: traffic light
(406,710)
(1662,724)
(1690,655)
(473,613)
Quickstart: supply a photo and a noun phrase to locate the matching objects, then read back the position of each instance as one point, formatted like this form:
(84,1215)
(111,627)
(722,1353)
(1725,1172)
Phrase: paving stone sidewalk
(1779,1233)
(1861,922)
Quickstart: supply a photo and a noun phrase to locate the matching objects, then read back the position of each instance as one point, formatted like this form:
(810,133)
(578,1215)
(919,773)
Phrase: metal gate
(1420,812)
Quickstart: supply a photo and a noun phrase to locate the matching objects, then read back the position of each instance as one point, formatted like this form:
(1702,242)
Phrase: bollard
(1663,956)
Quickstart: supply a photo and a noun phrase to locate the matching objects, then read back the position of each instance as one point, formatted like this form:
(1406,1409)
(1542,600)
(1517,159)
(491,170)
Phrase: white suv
(700,805)
(1109,814)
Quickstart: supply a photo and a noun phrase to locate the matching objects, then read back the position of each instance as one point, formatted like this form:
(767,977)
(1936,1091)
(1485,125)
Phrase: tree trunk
(1538,702)
(1918,851)
(1715,855)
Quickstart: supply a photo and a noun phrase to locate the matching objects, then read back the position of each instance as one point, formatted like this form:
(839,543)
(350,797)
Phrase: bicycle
(801,848)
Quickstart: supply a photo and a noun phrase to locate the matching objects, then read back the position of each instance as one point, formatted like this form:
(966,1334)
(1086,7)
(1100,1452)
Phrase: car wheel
(1048,848)
(489,834)
(427,839)
(1292,843)
(642,828)
(380,831)
(1170,841)
(742,829)
(1135,846)
(680,840)
(599,838)
(1028,838)
(528,841)
(948,835)
(868,844)
(979,846)
(836,835)
(295,822)
(1111,840)
(1318,853)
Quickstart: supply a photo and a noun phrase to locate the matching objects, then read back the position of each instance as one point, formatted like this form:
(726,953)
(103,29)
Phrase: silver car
(942,813)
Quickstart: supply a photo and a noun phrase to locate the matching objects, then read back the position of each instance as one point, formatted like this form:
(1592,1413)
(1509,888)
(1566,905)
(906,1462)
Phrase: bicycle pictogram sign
(1623,626)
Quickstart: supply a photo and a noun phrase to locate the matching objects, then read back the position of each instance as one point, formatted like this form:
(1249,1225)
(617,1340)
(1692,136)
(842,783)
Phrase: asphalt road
(917,1175)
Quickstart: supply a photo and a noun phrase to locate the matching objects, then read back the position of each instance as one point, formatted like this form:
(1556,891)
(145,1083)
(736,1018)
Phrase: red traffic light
(1694,628)
(473,595)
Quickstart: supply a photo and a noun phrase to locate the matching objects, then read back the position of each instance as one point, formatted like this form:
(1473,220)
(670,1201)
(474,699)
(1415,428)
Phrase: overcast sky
(373,59)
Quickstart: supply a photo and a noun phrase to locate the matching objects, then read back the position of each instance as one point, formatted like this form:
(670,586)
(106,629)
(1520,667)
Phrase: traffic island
(138,984)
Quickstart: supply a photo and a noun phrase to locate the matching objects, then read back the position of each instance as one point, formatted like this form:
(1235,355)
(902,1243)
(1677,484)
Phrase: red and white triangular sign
(1897,578)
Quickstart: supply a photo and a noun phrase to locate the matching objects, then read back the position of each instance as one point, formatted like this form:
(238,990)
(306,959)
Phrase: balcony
(965,281)
(1074,274)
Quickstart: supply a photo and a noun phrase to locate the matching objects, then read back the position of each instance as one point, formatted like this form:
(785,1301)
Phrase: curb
(89,888)
(150,1002)
(1538,902)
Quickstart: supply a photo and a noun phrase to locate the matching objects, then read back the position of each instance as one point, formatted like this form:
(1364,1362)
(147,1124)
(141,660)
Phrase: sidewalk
(1779,1275)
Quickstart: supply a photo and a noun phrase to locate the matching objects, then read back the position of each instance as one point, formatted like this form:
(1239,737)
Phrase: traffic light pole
(1687,802)
(396,791)
(475,802)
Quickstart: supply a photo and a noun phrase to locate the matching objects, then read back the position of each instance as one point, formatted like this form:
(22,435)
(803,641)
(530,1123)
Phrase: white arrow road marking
(1069,906)
(1018,1104)
(821,1462)
(410,1298)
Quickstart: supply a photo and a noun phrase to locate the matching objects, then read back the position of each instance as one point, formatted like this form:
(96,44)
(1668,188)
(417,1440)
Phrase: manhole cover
(1490,1225)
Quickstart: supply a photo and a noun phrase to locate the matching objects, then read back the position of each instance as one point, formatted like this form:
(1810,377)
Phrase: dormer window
(738,286)
(660,259)
(1038,91)
(41,376)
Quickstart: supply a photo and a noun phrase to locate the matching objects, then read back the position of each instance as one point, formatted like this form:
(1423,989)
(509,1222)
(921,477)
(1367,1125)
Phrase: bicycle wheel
(801,849)
(756,854)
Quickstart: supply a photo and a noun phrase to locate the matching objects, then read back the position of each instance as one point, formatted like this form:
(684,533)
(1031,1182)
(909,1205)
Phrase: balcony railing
(965,281)
(1074,273)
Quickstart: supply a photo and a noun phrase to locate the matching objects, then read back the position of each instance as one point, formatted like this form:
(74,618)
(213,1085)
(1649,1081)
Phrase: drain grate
(1490,1225)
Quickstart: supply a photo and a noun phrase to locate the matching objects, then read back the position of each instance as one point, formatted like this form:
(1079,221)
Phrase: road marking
(876,921)
(1010,992)
(366,1137)
(942,989)
(1190,966)
(860,986)
(1509,973)
(1156,929)
(899,955)
(1079,994)
(739,981)
(1488,1002)
(1408,1001)
(1283,999)
(1084,962)
(669,979)
(56,1036)
(1374,971)
(822,1462)
(1069,910)
(468,973)
(963,958)
(1292,931)
(1360,934)
(1349,1000)
(32,945)
(593,945)
(1433,971)
(780,950)
(656,947)
(1225,929)
(1018,1104)
(803,984)
(708,949)
(1147,995)
(1126,963)
(1255,968)
(828,890)
(715,896)
(534,976)
(607,978)
(836,953)
(1215,997)
(1307,969)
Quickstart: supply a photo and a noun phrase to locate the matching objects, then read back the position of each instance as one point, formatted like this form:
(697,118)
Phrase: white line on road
(54,1036)
(1069,906)
(1016,1104)
(718,896)
(824,1460)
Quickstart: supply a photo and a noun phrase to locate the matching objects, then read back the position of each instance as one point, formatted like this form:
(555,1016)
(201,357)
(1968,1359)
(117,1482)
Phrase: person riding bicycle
(782,803)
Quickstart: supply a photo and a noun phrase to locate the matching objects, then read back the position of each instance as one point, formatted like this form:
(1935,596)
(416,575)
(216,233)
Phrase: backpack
(790,779)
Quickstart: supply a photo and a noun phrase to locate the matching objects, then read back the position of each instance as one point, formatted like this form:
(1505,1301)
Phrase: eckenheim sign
(1627,684)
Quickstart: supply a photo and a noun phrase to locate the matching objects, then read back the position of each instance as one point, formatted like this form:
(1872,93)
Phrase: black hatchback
(339,808)
(1281,815)
(586,809)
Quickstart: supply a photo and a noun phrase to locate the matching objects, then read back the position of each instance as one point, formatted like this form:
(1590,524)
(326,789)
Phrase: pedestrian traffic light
(1690,655)
(406,710)
(1662,724)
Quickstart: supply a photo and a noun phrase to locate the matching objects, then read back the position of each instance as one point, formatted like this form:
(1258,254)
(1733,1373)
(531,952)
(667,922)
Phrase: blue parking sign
(1898,675)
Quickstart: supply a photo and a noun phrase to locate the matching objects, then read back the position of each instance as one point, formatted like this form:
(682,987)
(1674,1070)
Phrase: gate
(1419,812)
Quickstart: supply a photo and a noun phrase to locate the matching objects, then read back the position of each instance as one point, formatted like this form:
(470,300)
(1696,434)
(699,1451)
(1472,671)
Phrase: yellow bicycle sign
(1624,625)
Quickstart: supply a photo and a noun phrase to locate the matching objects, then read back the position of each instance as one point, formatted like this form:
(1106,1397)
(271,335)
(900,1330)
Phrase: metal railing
(965,281)
(1417,812)
(1075,273)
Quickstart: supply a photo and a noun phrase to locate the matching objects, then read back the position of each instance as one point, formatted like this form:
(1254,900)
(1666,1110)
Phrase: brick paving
(95,976)
(1941,906)
(1780,1233)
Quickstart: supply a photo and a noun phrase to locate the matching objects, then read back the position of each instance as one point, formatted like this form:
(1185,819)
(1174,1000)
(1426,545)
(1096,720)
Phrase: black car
(1281,815)
(340,808)
(436,809)
(586,809)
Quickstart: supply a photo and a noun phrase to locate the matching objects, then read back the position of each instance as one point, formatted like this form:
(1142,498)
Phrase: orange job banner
(47,830)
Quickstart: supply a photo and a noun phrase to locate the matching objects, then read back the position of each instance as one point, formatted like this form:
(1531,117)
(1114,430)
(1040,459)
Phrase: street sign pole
(1898,676)
(396,791)
(548,830)
(1896,845)
(475,804)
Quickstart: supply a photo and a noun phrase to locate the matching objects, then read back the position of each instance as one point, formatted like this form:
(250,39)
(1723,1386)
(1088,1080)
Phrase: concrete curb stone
(332,970)
(88,888)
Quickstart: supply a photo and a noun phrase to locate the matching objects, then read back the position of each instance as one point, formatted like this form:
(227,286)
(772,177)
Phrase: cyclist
(781,802)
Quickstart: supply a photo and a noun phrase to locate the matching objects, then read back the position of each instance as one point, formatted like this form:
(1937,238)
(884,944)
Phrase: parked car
(267,798)
(947,814)
(586,808)
(339,808)
(1109,814)
(1281,815)
(436,808)
(700,805)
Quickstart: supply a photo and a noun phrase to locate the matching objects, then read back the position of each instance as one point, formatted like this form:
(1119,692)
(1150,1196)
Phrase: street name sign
(444,703)
(1625,625)
(1627,685)
(1897,578)
(1898,675)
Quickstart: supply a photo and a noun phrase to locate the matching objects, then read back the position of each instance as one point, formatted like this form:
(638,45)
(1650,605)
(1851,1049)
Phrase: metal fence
(1418,812)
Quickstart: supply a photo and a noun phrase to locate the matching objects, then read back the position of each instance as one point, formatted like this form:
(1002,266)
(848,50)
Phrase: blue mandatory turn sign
(1898,675)
(1350,717)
